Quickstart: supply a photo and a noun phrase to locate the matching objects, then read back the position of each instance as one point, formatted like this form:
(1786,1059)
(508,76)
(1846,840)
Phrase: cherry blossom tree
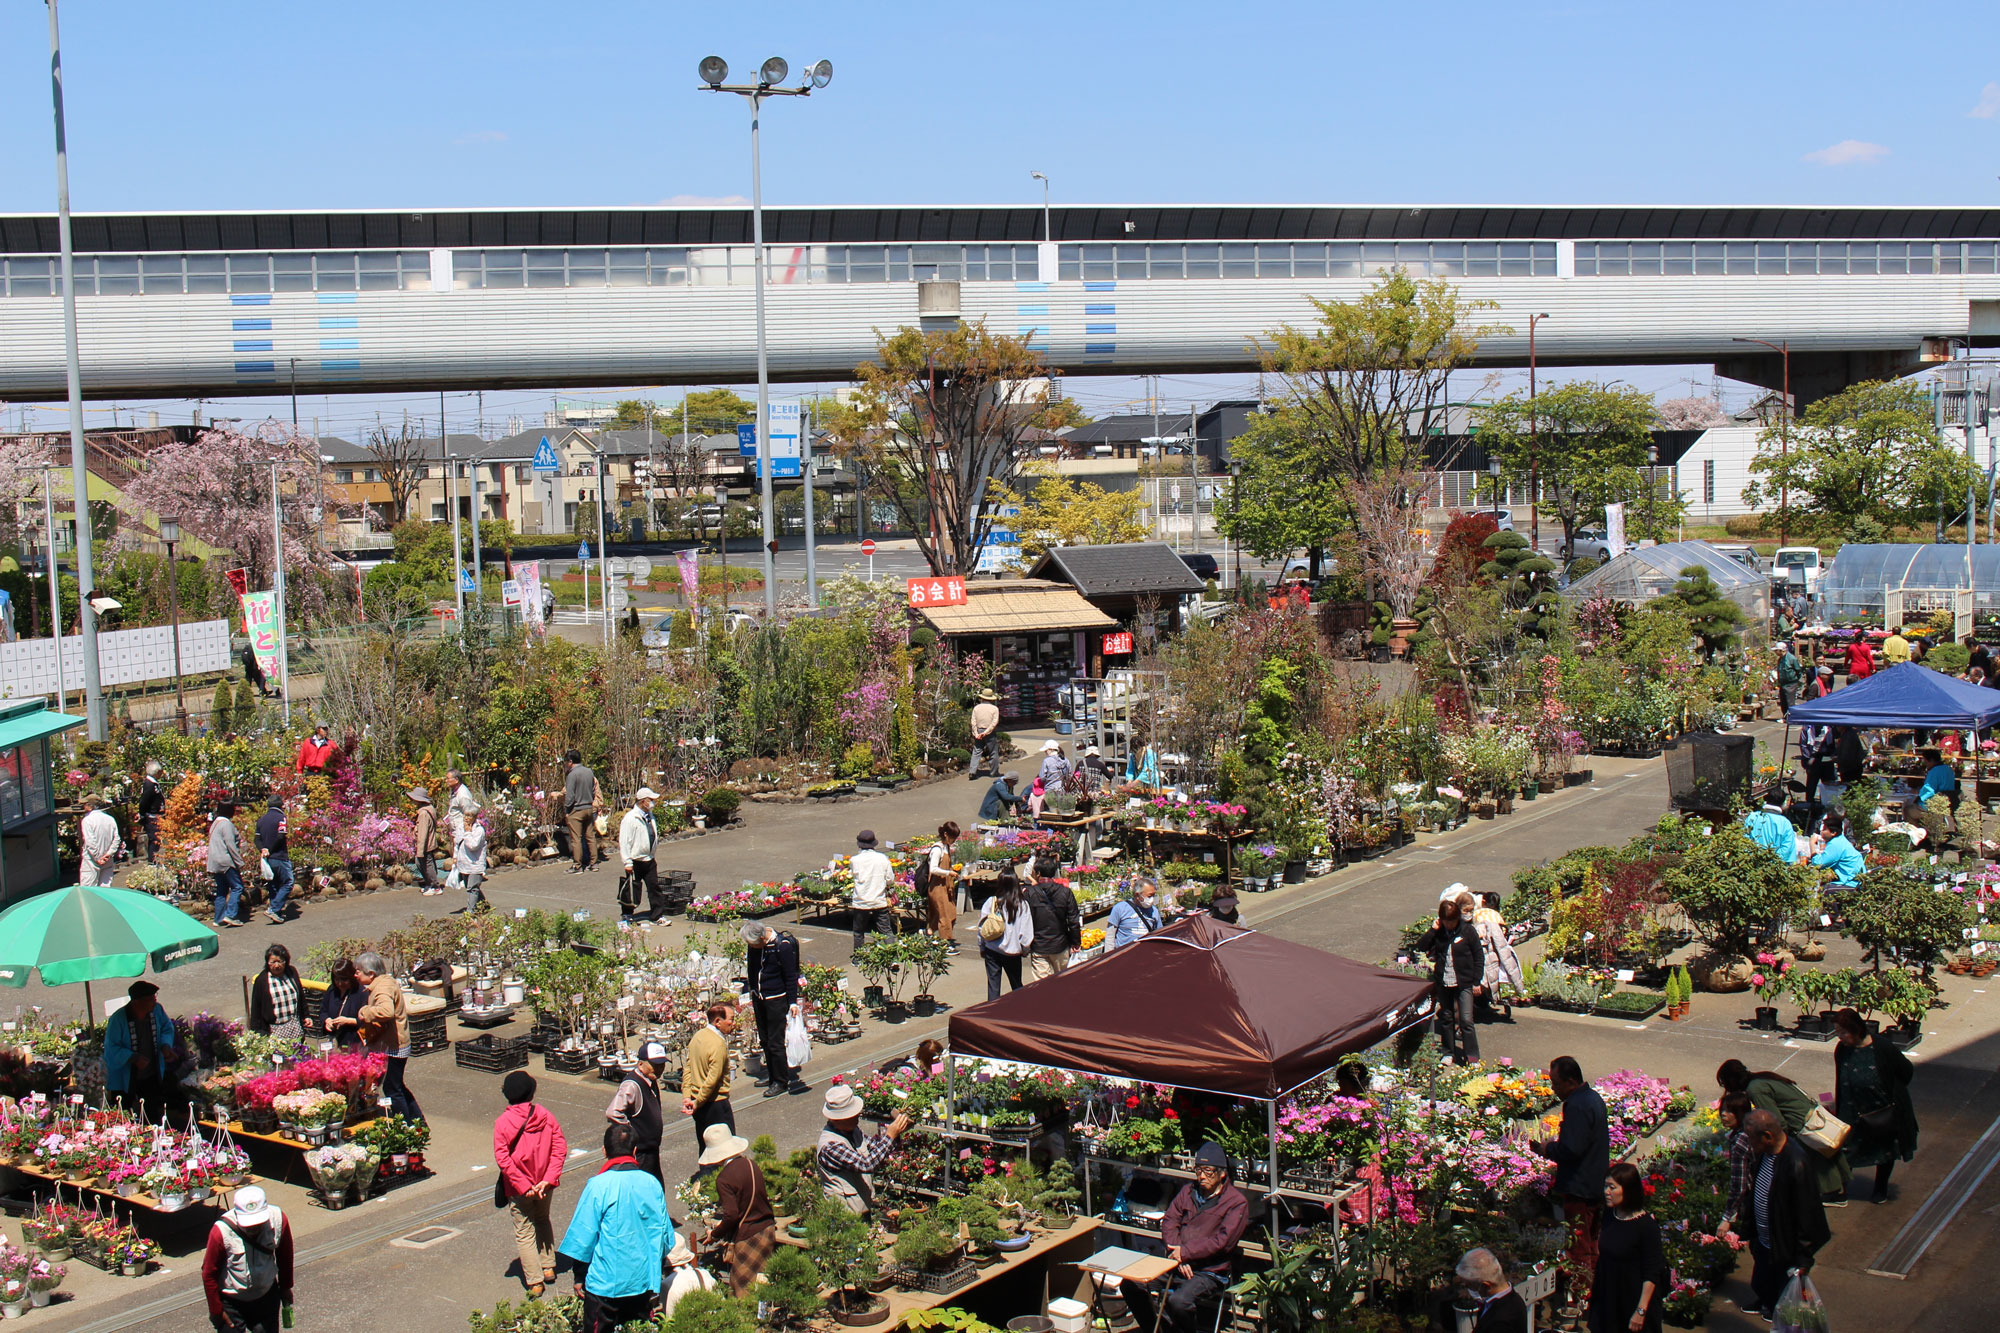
(219,486)
(1694,412)
(22,458)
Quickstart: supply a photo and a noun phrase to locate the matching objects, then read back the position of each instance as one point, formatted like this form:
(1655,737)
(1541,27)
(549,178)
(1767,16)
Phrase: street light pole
(170,533)
(79,471)
(1534,447)
(712,71)
(1784,350)
(55,585)
(1048,230)
(295,395)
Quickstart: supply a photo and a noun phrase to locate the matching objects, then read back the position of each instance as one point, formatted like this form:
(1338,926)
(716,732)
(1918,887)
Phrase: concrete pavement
(350,1260)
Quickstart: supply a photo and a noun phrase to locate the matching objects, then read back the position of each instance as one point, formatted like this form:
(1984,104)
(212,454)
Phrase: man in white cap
(637,1104)
(848,1162)
(247,1268)
(637,837)
(985,736)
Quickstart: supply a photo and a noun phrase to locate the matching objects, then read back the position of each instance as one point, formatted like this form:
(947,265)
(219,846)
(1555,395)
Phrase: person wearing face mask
(1134,918)
(1501,1309)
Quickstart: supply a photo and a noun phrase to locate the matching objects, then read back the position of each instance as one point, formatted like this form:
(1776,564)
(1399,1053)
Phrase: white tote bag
(798,1042)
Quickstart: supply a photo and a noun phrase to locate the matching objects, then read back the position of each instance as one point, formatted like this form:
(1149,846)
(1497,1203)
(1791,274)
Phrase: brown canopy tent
(1202,1005)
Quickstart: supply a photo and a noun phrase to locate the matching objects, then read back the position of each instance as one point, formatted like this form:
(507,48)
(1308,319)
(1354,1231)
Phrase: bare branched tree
(402,460)
(1389,532)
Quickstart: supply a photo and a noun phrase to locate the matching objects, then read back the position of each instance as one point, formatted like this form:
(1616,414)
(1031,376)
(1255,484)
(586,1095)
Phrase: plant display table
(1033,1264)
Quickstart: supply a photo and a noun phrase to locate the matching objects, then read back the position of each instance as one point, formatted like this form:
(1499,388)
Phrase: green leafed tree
(1859,464)
(1526,580)
(1716,621)
(1583,443)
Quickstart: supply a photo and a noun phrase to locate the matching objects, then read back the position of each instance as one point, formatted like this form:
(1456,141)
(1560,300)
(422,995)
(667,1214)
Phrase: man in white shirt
(99,833)
(637,836)
(872,908)
(463,804)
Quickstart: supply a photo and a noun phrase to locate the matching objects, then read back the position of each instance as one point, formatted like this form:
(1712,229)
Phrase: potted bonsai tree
(843,1248)
(791,1286)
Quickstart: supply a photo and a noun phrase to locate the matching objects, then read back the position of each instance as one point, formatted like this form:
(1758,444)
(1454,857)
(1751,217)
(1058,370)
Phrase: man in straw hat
(848,1162)
(985,735)
(247,1269)
(746,1227)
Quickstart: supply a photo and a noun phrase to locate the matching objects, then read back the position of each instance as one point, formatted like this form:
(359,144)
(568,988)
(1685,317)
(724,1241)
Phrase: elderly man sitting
(1201,1230)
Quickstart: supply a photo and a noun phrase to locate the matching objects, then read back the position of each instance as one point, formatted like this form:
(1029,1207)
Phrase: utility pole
(806,467)
(55,584)
(1534,447)
(457,548)
(79,471)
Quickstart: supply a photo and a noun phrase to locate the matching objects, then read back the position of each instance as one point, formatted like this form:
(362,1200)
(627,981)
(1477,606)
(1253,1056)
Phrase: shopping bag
(264,869)
(798,1043)
(1799,1308)
(454,880)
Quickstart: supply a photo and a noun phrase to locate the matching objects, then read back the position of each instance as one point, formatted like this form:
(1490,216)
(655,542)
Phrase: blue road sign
(746,439)
(583,550)
(465,580)
(545,457)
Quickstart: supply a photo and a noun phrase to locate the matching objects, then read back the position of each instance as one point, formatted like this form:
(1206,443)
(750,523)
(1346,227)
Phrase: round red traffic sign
(868,546)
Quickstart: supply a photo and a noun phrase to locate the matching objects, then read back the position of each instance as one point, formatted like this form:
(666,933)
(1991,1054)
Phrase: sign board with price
(1118,643)
(938,591)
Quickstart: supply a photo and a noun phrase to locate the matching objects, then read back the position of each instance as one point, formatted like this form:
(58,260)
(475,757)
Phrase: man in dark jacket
(1000,798)
(1058,922)
(1458,968)
(1501,1309)
(1201,1230)
(152,802)
(1787,1221)
(1581,1151)
(773,964)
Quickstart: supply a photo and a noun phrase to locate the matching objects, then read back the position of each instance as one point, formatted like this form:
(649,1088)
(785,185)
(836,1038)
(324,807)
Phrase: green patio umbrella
(91,934)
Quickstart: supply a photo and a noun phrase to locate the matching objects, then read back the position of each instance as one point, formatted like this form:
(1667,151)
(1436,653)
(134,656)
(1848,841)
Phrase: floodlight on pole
(712,71)
(1048,231)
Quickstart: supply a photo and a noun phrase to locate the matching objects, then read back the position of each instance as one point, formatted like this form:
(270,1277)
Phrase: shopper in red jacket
(529,1149)
(314,751)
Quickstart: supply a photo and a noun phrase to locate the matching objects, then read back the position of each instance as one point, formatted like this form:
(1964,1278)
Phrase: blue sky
(219,104)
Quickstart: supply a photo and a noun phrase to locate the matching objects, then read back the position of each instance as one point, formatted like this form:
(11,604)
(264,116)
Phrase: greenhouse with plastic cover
(1890,582)
(1645,572)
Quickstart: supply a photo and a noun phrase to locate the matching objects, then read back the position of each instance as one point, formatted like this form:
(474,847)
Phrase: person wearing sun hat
(246,1271)
(746,1227)
(985,735)
(847,1162)
(688,1277)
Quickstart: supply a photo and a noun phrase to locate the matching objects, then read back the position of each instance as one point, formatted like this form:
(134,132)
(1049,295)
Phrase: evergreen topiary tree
(245,715)
(1716,621)
(1525,579)
(791,1285)
(222,707)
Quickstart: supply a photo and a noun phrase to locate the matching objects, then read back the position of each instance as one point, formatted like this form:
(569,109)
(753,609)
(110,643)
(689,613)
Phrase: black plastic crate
(493,1055)
(939,1283)
(567,1062)
(427,1034)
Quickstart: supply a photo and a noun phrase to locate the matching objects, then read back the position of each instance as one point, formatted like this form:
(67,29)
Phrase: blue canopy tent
(1908,695)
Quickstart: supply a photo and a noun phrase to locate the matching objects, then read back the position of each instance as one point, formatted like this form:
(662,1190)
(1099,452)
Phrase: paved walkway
(347,1261)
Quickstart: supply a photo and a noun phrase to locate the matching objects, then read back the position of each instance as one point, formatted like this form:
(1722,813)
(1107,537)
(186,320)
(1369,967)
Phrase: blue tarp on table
(1907,695)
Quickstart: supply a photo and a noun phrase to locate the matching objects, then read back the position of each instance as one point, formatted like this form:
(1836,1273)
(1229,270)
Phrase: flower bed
(751,900)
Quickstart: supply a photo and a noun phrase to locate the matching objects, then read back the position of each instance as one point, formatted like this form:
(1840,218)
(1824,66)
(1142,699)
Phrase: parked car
(655,634)
(1504,517)
(1745,556)
(1592,544)
(1201,564)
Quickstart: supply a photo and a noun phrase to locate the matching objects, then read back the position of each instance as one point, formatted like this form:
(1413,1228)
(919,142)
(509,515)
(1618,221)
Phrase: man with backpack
(772,961)
(247,1269)
(1058,922)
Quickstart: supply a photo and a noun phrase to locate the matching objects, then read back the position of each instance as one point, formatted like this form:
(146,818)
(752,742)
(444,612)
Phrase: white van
(1798,567)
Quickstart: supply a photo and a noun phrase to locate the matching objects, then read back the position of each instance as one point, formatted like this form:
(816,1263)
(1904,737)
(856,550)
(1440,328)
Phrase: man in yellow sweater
(705,1073)
(1895,649)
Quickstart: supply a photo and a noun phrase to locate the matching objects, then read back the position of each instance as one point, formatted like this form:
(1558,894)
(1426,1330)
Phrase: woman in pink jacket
(529,1149)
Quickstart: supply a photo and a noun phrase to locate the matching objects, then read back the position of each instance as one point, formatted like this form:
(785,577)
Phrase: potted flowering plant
(133,1253)
(124,1178)
(43,1279)
(332,1169)
(1769,981)
(13,1297)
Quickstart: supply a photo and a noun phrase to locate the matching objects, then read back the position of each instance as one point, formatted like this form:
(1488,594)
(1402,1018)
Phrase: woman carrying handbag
(1871,1092)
